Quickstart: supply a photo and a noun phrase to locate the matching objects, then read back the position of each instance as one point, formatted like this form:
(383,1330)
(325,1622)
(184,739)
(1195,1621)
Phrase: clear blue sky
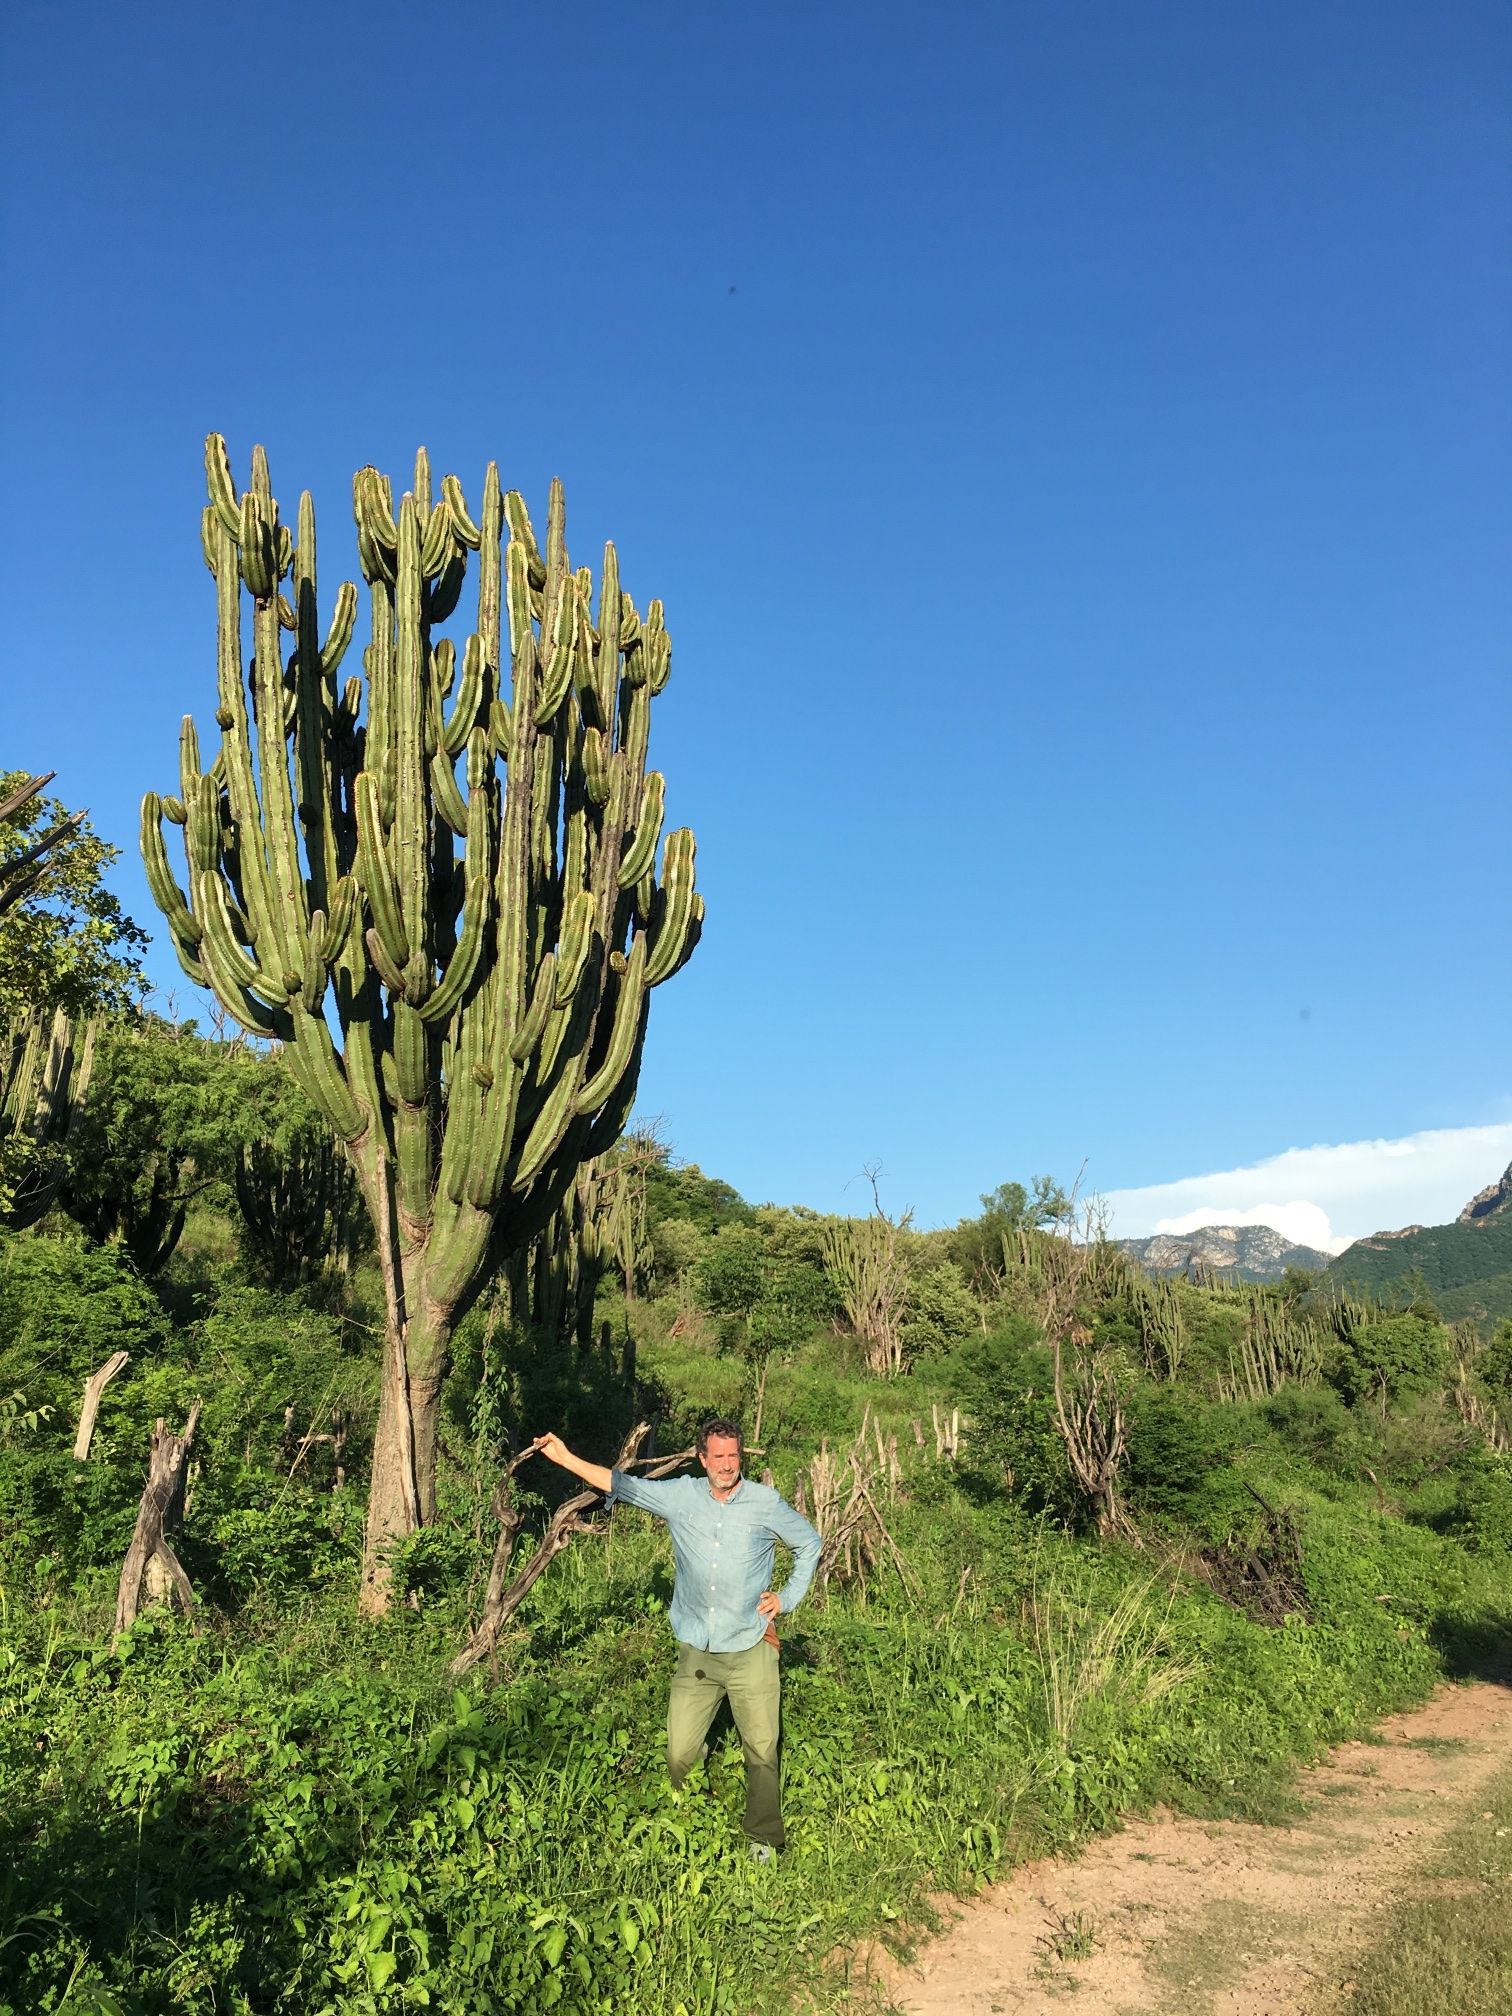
(1071,442)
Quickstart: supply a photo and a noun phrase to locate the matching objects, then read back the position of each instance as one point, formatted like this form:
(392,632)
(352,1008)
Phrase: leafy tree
(166,1111)
(1387,1356)
(685,1192)
(977,1243)
(729,1273)
(64,939)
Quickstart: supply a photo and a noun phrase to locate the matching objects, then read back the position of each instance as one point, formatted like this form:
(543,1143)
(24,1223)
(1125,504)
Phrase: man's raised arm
(593,1474)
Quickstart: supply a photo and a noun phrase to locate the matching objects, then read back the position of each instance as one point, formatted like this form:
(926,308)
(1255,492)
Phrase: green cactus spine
(492,1007)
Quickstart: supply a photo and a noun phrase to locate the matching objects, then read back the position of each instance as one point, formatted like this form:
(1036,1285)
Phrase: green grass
(288,1812)
(1448,1948)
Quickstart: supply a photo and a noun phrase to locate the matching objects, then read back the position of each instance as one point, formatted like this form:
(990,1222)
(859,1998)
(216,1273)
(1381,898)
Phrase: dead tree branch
(94,1386)
(499,1602)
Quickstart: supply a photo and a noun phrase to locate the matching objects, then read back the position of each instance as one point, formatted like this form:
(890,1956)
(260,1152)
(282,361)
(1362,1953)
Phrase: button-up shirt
(724,1549)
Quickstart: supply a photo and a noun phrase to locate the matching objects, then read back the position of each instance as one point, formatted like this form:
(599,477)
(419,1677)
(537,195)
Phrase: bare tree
(867,1261)
(500,1600)
(1058,1269)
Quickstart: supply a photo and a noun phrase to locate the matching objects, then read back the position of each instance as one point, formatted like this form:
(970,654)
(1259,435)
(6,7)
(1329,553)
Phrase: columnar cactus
(301,1210)
(44,1076)
(554,1281)
(492,1002)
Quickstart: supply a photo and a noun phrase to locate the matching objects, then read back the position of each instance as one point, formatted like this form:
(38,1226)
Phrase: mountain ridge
(1466,1266)
(1233,1252)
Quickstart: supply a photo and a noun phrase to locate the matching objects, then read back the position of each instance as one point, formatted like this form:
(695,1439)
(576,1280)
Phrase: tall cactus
(553,1282)
(44,1077)
(492,1007)
(300,1207)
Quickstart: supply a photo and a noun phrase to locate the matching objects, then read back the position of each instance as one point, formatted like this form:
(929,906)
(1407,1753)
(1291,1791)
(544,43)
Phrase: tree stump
(151,1572)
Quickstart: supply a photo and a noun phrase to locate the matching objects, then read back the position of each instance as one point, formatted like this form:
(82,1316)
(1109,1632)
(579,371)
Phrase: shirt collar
(740,1484)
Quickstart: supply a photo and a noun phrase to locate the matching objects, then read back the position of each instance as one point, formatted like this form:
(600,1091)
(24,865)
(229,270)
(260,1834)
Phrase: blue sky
(1072,444)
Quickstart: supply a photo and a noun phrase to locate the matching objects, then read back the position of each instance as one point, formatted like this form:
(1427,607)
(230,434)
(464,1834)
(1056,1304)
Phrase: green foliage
(1483,1509)
(65,1305)
(282,1804)
(1175,1444)
(1005,1383)
(203,1817)
(165,1114)
(729,1274)
(682,1191)
(1388,1356)
(941,1311)
(1495,1365)
(976,1245)
(67,943)
(1465,1268)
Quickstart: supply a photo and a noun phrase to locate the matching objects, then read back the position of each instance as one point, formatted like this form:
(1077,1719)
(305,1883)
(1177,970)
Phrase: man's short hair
(719,1426)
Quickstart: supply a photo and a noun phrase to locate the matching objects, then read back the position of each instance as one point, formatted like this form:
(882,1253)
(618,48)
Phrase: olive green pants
(753,1685)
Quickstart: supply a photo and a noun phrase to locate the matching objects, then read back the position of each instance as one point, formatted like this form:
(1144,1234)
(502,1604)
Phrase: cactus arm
(282,918)
(677,911)
(315,693)
(627,1013)
(642,851)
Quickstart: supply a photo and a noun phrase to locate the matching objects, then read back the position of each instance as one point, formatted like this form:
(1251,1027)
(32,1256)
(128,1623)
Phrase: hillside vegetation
(1465,1268)
(1093,1542)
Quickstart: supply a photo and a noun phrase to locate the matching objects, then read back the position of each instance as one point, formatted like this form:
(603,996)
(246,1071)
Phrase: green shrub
(1006,1384)
(1172,1447)
(942,1311)
(1391,1355)
(1483,1509)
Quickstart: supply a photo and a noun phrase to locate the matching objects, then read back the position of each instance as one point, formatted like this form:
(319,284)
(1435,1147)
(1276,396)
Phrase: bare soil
(1222,1918)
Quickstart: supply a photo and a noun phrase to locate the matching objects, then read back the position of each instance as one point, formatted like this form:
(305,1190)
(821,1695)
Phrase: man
(723,1529)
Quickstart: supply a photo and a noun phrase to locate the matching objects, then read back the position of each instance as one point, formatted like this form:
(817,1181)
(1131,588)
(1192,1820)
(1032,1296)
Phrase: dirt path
(1202,1918)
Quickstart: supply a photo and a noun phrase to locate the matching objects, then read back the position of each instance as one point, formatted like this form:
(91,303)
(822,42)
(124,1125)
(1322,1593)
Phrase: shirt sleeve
(658,1495)
(794,1531)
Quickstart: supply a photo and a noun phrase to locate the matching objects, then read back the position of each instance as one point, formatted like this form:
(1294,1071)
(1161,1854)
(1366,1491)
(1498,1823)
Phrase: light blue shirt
(724,1550)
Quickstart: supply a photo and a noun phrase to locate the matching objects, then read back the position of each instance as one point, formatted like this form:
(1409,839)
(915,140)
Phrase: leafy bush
(65,1306)
(1391,1355)
(1005,1382)
(1172,1448)
(941,1310)
(1483,1510)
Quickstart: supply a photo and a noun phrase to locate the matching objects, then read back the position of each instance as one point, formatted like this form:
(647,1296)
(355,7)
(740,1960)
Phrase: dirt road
(1200,1918)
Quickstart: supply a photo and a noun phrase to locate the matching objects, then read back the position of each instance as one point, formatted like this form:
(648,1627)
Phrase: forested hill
(1466,1267)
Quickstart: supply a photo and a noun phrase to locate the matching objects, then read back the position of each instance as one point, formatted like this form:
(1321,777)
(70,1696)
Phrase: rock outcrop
(1490,1202)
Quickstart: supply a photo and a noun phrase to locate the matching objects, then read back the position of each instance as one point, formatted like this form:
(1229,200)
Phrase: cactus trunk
(486,942)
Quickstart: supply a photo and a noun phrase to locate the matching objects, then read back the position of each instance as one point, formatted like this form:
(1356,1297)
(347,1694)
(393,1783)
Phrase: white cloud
(1336,1193)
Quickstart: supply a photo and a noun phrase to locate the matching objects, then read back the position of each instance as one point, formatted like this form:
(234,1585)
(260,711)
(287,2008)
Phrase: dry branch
(499,1602)
(94,1386)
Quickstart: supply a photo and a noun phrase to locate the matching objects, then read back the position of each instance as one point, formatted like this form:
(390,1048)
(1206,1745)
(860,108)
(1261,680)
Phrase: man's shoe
(763,1851)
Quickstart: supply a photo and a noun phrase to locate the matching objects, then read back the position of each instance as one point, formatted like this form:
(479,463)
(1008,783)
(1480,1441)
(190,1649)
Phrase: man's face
(720,1458)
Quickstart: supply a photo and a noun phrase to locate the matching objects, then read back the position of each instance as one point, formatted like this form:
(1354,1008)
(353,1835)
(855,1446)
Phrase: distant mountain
(1231,1252)
(1466,1266)
(1490,1202)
